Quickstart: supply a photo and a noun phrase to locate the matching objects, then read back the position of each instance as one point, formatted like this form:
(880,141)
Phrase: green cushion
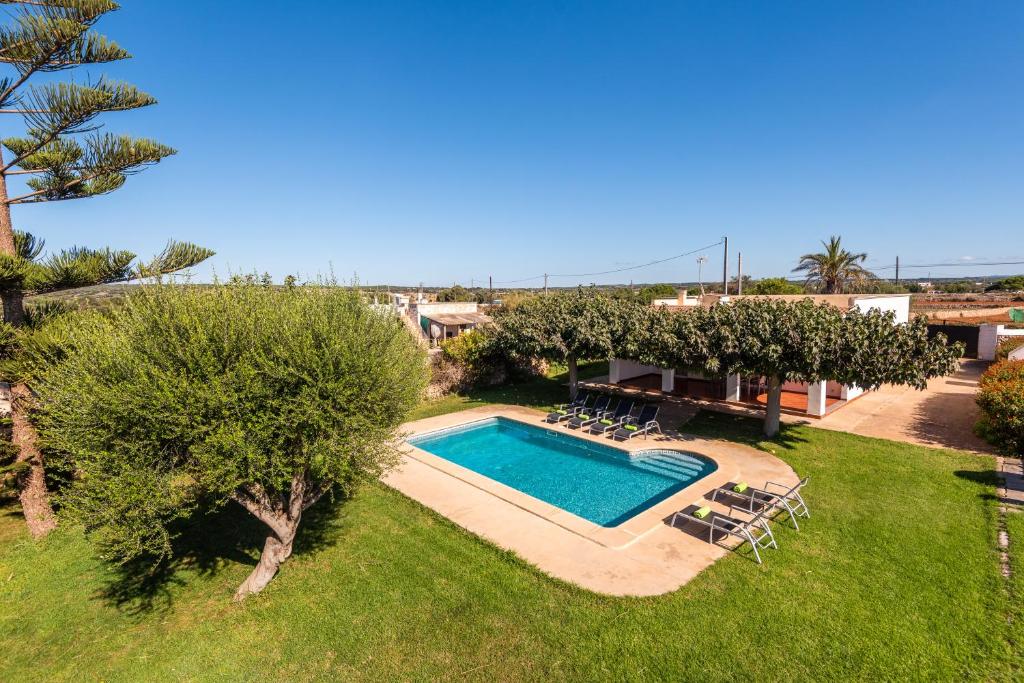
(701,513)
(606,422)
(740,487)
(583,416)
(632,428)
(562,412)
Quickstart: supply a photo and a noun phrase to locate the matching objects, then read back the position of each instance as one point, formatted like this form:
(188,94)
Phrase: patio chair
(644,423)
(614,420)
(567,410)
(754,531)
(592,414)
(771,498)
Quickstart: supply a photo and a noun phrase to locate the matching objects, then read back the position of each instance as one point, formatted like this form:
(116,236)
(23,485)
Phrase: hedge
(1001,399)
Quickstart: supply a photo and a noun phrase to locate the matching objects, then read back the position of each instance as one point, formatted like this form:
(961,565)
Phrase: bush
(775,285)
(1001,399)
(474,353)
(186,398)
(1007,345)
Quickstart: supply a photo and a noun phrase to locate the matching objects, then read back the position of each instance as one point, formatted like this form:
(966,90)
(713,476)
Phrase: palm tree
(835,268)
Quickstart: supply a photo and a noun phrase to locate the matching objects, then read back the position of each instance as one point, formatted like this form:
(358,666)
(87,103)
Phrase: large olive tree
(189,397)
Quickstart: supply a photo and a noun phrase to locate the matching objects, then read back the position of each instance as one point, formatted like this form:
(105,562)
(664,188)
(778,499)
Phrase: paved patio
(943,415)
(642,556)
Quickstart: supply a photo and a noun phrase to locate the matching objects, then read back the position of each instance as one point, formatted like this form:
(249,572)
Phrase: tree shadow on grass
(741,429)
(206,544)
(989,483)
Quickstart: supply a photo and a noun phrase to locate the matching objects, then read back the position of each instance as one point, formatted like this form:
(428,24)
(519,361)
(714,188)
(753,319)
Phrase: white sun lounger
(755,530)
(774,496)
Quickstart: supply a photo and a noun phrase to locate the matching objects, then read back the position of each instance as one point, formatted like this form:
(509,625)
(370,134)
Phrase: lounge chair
(567,410)
(772,497)
(590,415)
(612,421)
(643,423)
(754,530)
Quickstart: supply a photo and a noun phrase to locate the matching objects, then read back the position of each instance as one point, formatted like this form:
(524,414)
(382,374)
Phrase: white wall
(620,369)
(898,304)
(988,339)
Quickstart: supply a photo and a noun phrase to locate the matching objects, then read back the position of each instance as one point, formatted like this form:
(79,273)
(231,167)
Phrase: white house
(446,319)
(816,399)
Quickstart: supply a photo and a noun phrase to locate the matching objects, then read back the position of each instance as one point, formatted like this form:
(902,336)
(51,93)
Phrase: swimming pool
(600,483)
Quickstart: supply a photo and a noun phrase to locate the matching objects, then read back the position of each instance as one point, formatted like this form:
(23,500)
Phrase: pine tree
(62,154)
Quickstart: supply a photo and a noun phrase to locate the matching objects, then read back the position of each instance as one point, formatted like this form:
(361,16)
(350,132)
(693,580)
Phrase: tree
(1009,284)
(796,341)
(456,293)
(774,285)
(63,157)
(187,398)
(832,270)
(62,154)
(660,291)
(565,327)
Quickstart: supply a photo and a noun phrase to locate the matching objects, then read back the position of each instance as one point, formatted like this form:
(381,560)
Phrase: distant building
(444,320)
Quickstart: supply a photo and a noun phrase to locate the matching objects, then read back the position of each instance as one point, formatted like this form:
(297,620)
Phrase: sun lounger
(614,420)
(772,497)
(592,414)
(567,410)
(755,530)
(643,423)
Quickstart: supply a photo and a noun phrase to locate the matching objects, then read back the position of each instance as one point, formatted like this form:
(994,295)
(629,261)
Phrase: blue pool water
(602,484)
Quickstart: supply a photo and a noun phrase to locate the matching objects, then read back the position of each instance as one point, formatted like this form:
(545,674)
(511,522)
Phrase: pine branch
(73,173)
(54,36)
(81,267)
(175,256)
(65,108)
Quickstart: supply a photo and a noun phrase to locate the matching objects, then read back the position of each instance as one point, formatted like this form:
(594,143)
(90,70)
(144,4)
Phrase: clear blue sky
(443,141)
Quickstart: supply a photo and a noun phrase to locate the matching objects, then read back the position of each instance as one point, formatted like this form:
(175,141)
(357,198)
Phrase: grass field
(895,577)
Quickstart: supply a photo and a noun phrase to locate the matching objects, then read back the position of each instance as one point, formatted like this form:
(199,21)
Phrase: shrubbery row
(1001,399)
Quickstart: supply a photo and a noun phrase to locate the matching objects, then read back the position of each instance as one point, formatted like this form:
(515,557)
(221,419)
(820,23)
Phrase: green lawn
(894,577)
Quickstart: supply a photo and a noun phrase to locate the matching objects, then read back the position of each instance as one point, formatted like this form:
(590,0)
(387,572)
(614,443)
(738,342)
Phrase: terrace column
(668,379)
(732,388)
(816,398)
(613,371)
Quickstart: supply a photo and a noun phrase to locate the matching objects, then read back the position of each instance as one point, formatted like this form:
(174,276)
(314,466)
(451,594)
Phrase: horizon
(452,143)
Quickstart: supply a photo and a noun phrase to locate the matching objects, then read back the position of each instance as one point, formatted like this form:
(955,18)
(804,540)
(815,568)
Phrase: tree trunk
(573,376)
(13,299)
(773,413)
(276,549)
(14,306)
(282,514)
(35,502)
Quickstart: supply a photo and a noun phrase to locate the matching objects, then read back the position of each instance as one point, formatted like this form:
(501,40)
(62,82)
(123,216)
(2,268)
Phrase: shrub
(1007,345)
(188,398)
(1001,399)
(775,285)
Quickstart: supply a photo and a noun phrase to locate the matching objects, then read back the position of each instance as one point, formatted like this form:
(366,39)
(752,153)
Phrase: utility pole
(700,272)
(725,267)
(545,283)
(490,288)
(739,273)
(897,271)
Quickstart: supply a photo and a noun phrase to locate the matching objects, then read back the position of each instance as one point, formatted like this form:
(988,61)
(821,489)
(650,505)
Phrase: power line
(956,264)
(609,272)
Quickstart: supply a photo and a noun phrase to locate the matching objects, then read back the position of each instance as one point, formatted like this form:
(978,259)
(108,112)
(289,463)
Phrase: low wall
(988,339)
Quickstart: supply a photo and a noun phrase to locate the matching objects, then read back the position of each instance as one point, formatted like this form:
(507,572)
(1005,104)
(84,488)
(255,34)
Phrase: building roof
(458,318)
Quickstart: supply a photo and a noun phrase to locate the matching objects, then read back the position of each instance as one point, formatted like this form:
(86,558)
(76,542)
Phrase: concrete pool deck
(642,556)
